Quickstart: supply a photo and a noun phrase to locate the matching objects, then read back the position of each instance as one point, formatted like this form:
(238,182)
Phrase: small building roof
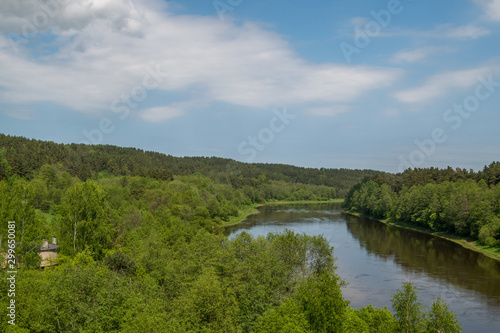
(46,246)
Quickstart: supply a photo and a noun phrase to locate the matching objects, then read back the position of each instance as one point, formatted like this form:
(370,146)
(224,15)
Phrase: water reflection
(375,259)
(440,258)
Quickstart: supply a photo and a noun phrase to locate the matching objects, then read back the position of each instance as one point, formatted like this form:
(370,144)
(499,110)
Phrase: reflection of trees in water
(421,252)
(287,213)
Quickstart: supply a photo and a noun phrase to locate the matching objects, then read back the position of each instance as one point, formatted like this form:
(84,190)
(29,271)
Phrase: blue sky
(383,85)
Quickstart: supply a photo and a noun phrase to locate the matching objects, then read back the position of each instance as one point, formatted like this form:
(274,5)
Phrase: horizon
(379,86)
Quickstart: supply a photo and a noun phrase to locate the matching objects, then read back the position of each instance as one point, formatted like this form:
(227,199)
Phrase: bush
(489,234)
(120,263)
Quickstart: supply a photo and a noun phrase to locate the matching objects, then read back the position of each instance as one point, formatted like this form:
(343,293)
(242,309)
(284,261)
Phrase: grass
(468,243)
(243,214)
(250,210)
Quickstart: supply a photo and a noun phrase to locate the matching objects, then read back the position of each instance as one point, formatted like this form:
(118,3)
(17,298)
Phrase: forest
(24,157)
(461,202)
(141,247)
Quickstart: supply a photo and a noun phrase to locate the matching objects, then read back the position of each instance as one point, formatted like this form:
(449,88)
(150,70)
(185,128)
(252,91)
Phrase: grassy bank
(250,210)
(468,243)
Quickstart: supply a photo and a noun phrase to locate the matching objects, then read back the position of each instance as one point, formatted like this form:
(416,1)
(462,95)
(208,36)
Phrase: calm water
(375,259)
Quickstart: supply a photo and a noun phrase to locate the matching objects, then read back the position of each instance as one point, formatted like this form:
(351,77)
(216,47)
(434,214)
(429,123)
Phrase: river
(375,259)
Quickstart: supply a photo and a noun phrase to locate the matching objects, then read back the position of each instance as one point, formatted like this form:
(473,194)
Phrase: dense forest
(24,157)
(141,247)
(461,202)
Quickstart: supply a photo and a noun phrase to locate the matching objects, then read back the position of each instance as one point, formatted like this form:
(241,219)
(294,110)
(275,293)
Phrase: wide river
(375,259)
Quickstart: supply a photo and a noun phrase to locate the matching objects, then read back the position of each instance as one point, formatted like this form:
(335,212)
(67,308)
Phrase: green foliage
(377,320)
(84,220)
(322,302)
(27,254)
(17,204)
(286,318)
(23,157)
(208,305)
(120,262)
(490,232)
(441,319)
(412,317)
(5,168)
(408,309)
(464,203)
(353,323)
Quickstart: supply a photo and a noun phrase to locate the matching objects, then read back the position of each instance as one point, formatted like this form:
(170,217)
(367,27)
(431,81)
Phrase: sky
(383,85)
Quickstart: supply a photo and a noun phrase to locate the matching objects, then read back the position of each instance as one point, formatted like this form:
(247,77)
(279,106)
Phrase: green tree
(440,319)
(353,323)
(208,306)
(286,318)
(120,262)
(84,220)
(23,211)
(490,233)
(322,302)
(408,309)
(5,168)
(379,320)
(17,204)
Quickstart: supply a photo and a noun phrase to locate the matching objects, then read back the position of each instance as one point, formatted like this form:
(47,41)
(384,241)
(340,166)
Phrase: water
(375,259)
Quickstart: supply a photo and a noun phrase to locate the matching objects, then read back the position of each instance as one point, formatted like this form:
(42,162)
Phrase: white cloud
(358,21)
(419,55)
(492,8)
(161,113)
(328,111)
(411,55)
(469,31)
(445,31)
(214,61)
(20,113)
(440,84)
(29,17)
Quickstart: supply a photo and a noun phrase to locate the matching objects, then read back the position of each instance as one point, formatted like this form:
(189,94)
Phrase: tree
(23,211)
(17,204)
(352,323)
(440,319)
(490,233)
(208,305)
(286,318)
(379,320)
(120,263)
(84,220)
(408,309)
(5,169)
(322,302)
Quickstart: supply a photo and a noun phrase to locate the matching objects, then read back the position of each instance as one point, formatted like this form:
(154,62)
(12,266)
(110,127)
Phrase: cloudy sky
(383,85)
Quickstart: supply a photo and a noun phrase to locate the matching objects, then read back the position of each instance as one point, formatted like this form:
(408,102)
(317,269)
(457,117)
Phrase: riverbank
(250,210)
(470,244)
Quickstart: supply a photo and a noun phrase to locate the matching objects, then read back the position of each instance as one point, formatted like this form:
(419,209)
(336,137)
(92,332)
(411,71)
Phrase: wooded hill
(23,157)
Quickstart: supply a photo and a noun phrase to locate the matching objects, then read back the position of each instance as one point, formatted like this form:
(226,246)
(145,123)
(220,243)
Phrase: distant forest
(462,202)
(24,157)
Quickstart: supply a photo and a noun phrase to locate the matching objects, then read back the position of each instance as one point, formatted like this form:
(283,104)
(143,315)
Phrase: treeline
(466,203)
(24,157)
